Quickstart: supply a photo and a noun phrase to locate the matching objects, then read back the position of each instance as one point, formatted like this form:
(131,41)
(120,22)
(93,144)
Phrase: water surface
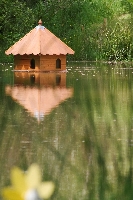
(78,126)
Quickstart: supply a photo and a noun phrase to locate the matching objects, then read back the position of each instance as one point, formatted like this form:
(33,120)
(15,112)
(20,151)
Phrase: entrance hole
(32,63)
(58,64)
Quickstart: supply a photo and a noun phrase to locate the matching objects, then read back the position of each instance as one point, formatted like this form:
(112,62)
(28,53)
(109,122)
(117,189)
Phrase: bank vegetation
(96,30)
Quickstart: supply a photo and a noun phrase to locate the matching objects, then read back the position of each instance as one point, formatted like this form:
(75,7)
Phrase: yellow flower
(27,186)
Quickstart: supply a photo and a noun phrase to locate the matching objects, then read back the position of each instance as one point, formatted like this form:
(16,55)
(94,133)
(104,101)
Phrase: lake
(77,126)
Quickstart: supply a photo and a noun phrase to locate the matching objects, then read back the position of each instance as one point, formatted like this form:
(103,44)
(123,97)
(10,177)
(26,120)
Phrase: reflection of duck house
(41,79)
(40,50)
(39,101)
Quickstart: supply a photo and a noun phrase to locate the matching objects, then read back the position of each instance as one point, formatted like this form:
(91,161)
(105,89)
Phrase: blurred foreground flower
(27,186)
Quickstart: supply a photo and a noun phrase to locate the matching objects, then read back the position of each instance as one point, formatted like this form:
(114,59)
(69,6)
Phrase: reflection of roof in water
(39,101)
(39,115)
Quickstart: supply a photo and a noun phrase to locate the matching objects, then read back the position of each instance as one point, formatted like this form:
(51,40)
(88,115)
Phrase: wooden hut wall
(23,62)
(40,62)
(48,62)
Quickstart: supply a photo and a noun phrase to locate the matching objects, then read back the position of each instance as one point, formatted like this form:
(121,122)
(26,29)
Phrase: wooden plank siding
(23,62)
(42,62)
(48,62)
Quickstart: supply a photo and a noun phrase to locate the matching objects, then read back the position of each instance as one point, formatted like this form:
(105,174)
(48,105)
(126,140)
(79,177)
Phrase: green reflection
(85,145)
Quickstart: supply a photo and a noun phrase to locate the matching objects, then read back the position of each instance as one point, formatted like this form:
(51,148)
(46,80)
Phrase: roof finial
(40,22)
(40,25)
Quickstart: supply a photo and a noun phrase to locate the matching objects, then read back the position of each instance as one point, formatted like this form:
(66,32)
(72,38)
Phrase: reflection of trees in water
(87,155)
(108,137)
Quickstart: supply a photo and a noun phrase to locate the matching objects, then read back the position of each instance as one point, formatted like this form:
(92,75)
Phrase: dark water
(78,126)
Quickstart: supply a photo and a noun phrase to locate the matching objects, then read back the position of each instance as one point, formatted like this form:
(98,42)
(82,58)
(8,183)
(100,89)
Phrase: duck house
(39,50)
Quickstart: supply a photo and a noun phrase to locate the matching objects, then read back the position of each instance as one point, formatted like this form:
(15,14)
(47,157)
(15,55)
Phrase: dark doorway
(58,64)
(32,63)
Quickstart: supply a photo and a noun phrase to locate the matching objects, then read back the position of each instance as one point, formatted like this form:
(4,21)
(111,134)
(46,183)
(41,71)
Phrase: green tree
(15,19)
(91,28)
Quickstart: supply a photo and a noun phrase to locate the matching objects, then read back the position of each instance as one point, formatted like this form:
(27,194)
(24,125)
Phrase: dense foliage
(96,30)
